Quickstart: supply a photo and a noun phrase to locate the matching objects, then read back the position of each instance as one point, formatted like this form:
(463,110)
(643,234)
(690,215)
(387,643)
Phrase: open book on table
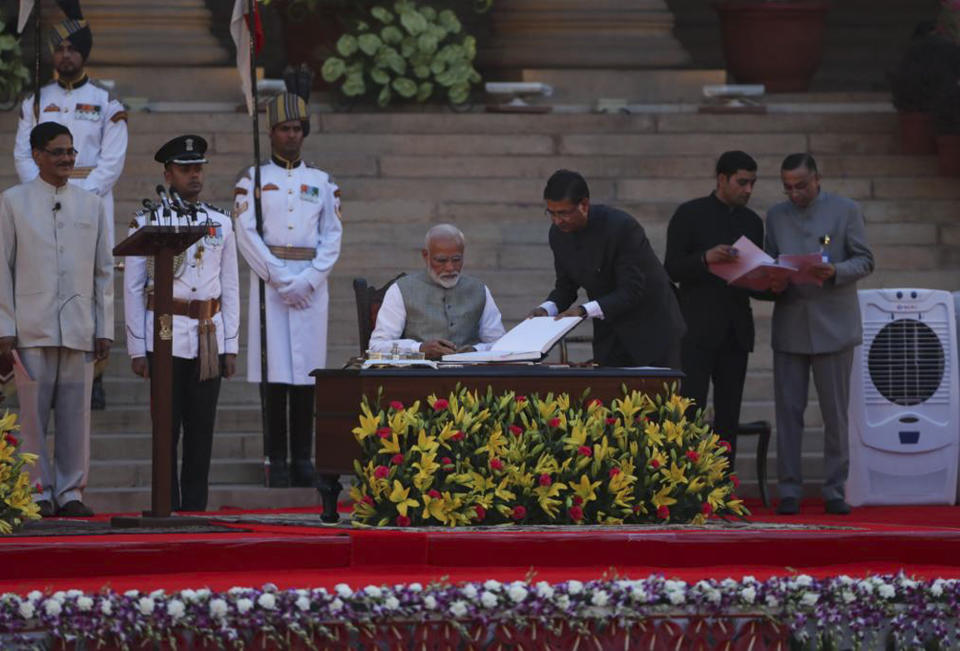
(528,340)
(754,269)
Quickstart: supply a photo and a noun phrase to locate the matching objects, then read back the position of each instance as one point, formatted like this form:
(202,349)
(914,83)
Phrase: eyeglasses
(562,214)
(62,151)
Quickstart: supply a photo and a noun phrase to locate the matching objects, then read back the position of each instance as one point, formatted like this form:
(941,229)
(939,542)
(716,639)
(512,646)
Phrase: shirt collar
(280,161)
(66,85)
(720,204)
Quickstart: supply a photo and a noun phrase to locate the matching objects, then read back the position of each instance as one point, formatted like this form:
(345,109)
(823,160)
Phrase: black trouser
(194,407)
(290,410)
(726,367)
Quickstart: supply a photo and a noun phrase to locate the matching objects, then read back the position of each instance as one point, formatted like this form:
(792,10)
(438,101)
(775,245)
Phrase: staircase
(399,173)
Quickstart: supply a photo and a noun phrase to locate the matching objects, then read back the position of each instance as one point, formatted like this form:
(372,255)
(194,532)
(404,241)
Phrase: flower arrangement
(414,52)
(16,494)
(472,459)
(888,611)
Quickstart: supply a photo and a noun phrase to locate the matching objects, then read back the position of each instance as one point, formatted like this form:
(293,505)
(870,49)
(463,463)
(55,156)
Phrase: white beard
(446,283)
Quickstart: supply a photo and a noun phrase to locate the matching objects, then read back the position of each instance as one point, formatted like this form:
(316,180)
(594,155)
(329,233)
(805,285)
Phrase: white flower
(804,581)
(429,602)
(563,602)
(218,608)
(235,590)
(145,605)
(106,607)
(517,593)
(748,579)
(343,590)
(73,594)
(469,591)
(52,607)
(671,586)
(336,605)
(676,597)
(544,590)
(415,587)
(156,594)
(391,603)
(267,601)
(492,585)
(730,584)
(300,592)
(748,595)
(488,599)
(458,608)
(809,598)
(866,586)
(34,595)
(176,608)
(60,596)
(373,591)
(574,587)
(131,593)
(937,588)
(713,595)
(243,605)
(26,609)
(848,596)
(638,594)
(600,598)
(303,603)
(203,593)
(844,579)
(886,591)
(84,604)
(188,595)
(772,601)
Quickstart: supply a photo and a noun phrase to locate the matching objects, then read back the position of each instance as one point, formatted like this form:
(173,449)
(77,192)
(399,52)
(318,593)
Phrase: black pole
(258,212)
(36,63)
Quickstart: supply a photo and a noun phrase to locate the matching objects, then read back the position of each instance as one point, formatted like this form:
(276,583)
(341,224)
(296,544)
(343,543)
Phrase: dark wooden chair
(369,300)
(761,429)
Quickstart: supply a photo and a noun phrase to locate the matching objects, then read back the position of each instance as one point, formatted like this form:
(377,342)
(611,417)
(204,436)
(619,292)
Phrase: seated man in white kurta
(439,310)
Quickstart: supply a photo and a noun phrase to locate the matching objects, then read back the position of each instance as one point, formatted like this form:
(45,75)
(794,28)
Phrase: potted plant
(914,86)
(947,119)
(777,43)
(412,52)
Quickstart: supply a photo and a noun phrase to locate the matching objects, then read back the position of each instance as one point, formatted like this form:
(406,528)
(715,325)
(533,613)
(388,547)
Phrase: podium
(162,243)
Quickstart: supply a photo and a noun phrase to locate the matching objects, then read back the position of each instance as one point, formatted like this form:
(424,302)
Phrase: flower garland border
(855,610)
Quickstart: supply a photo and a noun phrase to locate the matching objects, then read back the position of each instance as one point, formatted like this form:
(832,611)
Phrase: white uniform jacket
(208,270)
(301,208)
(56,279)
(98,124)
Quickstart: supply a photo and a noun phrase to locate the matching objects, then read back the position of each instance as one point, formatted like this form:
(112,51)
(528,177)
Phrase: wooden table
(340,391)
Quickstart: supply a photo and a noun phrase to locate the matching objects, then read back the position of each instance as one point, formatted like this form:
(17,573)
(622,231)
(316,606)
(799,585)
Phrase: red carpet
(924,541)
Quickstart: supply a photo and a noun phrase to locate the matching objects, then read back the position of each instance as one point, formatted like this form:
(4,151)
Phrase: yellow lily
(546,498)
(369,423)
(654,434)
(674,475)
(400,496)
(662,497)
(585,489)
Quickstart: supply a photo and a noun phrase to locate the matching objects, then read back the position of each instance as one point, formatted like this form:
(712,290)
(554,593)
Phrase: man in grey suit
(815,327)
(56,312)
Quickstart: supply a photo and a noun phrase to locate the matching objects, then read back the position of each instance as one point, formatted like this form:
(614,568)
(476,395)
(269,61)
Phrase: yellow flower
(736,506)
(653,434)
(674,474)
(390,445)
(679,403)
(368,423)
(696,484)
(399,496)
(426,471)
(9,422)
(662,497)
(503,492)
(585,489)
(426,444)
(546,497)
(674,431)
(546,464)
(434,508)
(496,445)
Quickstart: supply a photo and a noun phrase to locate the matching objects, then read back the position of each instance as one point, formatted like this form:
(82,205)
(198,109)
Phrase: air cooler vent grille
(906,362)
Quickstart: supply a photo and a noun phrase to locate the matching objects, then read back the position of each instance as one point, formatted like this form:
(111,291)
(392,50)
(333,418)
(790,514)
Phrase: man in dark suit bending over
(719,319)
(636,318)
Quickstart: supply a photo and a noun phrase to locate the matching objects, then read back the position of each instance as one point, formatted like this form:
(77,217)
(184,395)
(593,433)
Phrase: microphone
(56,206)
(182,206)
(164,199)
(152,207)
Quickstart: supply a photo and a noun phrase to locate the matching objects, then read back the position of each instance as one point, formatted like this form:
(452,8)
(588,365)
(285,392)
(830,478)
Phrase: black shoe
(74,509)
(46,509)
(279,475)
(789,506)
(98,398)
(304,474)
(837,507)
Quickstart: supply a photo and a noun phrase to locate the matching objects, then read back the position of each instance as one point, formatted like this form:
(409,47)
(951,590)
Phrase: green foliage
(412,52)
(14,76)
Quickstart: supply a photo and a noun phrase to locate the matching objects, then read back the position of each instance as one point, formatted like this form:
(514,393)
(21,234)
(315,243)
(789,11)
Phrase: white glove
(297,292)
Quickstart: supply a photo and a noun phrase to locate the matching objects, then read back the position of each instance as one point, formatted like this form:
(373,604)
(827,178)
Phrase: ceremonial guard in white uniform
(294,256)
(97,122)
(206,321)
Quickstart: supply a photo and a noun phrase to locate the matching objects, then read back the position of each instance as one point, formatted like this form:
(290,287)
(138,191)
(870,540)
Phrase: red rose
(611,420)
(637,508)
(663,512)
(481,513)
(554,422)
(396,404)
(519,513)
(654,464)
(545,480)
(577,500)
(614,472)
(496,464)
(384,432)
(440,404)
(403,521)
(585,451)
(457,436)
(381,471)
(726,446)
(367,500)
(693,456)
(521,399)
(706,509)
(396,459)
(38,488)
(516,430)
(11,439)
(576,513)
(434,494)
(447,461)
(596,402)
(735,480)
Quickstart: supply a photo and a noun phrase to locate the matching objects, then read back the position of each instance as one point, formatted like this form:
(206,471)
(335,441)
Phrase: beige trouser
(59,379)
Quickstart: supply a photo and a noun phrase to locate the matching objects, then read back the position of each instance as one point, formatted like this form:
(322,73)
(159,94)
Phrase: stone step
(226,445)
(136,472)
(220,496)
